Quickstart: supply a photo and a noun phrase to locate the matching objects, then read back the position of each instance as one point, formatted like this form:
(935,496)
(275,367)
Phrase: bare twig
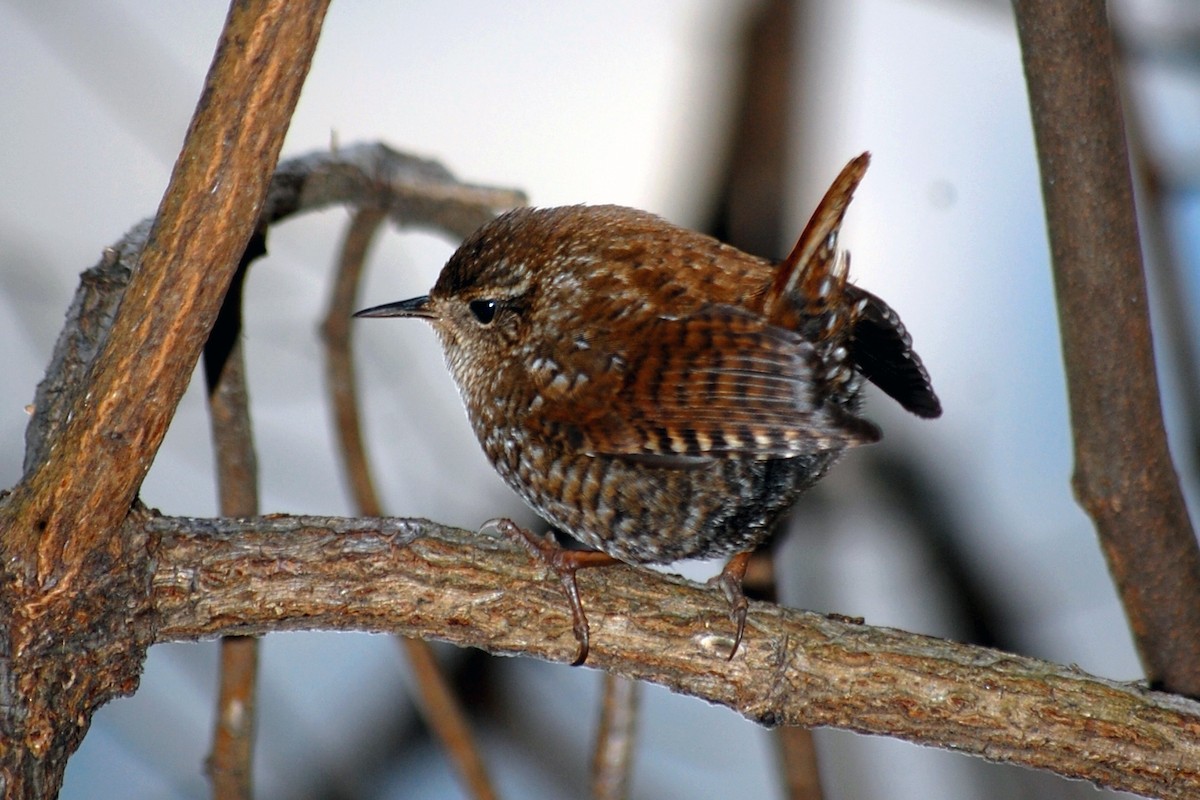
(445,716)
(1168,265)
(801,769)
(751,200)
(231,761)
(612,758)
(750,215)
(232,758)
(1124,477)
(417,578)
(339,365)
(66,640)
(440,707)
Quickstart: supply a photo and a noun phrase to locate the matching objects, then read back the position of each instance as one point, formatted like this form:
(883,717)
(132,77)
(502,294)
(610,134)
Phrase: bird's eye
(484,310)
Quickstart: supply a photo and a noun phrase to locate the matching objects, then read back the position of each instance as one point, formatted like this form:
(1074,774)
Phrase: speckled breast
(640,512)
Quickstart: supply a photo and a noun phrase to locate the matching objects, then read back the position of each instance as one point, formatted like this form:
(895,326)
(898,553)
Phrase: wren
(654,393)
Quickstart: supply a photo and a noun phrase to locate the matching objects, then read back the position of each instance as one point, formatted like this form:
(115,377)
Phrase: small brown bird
(654,393)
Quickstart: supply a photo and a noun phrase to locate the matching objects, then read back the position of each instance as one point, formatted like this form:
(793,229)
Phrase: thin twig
(416,578)
(616,735)
(801,769)
(445,716)
(1124,476)
(750,215)
(437,700)
(339,364)
(231,761)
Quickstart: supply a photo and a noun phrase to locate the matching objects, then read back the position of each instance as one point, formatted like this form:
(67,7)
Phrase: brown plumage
(654,393)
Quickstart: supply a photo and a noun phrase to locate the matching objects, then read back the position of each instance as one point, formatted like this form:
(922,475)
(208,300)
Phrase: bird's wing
(717,384)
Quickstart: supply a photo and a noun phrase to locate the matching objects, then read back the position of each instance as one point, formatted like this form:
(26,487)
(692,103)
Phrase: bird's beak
(415,307)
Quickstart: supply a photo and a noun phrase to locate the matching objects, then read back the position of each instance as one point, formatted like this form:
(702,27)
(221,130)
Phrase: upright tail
(854,330)
(815,272)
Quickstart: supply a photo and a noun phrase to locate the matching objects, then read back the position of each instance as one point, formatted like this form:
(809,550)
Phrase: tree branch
(230,764)
(73,575)
(65,651)
(412,192)
(616,738)
(436,699)
(417,578)
(1124,476)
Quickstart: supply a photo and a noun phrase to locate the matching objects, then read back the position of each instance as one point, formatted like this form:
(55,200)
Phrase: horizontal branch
(418,578)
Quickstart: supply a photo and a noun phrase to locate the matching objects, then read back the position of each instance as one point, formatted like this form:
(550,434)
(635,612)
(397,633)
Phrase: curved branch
(412,192)
(436,698)
(418,578)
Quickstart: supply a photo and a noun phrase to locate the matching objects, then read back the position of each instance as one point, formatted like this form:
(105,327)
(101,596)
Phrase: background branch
(418,578)
(616,738)
(412,192)
(436,698)
(1124,477)
(231,760)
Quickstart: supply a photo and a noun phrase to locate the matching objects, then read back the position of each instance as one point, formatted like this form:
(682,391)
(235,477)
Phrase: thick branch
(417,578)
(1124,476)
(69,504)
(73,578)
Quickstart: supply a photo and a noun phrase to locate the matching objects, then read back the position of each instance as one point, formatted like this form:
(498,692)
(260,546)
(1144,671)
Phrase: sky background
(622,102)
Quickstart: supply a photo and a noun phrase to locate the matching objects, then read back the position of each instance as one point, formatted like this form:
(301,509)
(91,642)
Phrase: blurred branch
(616,735)
(230,764)
(417,578)
(1167,264)
(751,199)
(339,364)
(1124,476)
(774,44)
(437,701)
(231,761)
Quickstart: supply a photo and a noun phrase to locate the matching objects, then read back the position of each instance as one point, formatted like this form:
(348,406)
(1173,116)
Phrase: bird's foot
(564,563)
(729,580)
